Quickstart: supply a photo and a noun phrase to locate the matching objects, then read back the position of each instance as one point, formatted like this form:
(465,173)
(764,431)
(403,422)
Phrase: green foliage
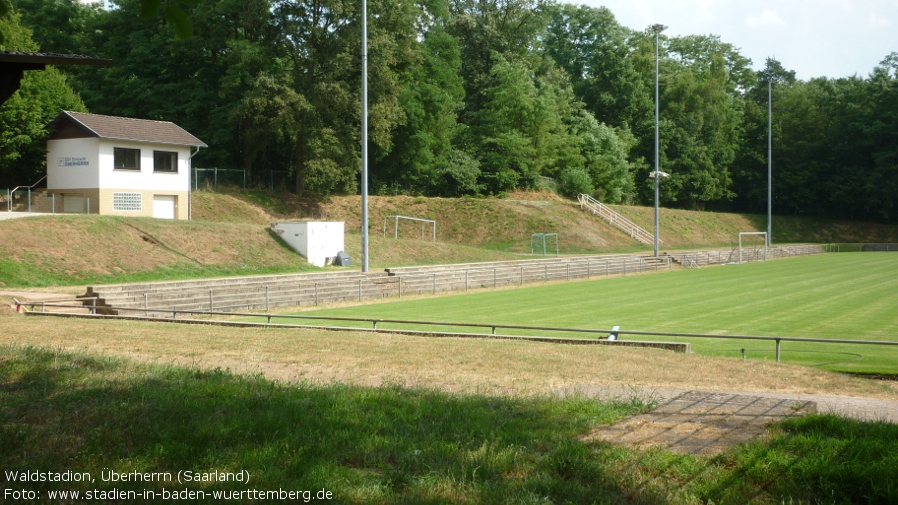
(25,116)
(476,96)
(574,181)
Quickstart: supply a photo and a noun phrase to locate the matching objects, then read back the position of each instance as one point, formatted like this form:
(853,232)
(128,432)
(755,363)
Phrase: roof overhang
(13,65)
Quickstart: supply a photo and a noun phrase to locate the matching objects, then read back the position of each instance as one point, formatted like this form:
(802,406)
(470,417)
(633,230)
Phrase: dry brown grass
(462,365)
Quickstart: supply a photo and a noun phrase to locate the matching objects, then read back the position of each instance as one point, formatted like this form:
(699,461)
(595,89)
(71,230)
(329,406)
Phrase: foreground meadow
(96,416)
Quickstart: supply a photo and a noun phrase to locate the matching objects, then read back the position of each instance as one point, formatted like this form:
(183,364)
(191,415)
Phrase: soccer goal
(752,246)
(424,223)
(541,242)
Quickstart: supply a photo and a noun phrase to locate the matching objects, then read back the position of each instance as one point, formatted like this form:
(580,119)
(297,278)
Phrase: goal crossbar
(756,233)
(407,218)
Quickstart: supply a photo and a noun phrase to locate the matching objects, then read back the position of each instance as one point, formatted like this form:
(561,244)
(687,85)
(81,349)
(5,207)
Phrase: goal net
(752,246)
(542,243)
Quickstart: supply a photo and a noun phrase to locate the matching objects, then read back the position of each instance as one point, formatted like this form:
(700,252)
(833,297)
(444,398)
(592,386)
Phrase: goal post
(538,242)
(424,223)
(753,253)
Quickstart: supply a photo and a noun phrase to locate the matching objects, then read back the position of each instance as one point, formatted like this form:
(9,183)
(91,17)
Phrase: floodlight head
(659,174)
(658,28)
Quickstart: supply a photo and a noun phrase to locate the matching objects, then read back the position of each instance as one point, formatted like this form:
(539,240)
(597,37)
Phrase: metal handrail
(494,326)
(637,232)
(11,193)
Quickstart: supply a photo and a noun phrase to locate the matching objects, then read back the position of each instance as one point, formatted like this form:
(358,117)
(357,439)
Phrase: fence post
(210,301)
(777,350)
(53,196)
(88,205)
(216,179)
(522,276)
(146,305)
(267,306)
(588,265)
(316,293)
(29,200)
(400,285)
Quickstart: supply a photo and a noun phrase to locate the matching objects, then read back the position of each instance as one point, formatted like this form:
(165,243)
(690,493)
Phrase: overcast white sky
(832,38)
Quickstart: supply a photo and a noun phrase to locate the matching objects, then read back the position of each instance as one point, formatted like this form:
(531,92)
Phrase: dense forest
(466,97)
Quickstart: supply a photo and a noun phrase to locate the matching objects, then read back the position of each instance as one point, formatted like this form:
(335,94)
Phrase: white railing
(629,227)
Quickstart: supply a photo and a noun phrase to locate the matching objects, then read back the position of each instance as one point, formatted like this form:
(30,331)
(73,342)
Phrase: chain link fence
(214,178)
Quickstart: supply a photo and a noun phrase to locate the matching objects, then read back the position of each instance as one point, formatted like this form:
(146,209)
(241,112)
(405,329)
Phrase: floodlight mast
(769,160)
(364,136)
(657,28)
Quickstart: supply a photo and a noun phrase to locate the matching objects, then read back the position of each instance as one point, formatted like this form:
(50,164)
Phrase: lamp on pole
(769,160)
(364,136)
(657,28)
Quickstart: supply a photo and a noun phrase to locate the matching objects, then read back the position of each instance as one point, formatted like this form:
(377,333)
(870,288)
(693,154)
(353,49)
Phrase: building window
(165,161)
(126,159)
(127,201)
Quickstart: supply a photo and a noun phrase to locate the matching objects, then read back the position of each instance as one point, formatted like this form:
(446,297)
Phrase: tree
(25,116)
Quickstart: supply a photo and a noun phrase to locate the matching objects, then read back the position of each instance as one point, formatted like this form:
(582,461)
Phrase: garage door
(164,207)
(73,204)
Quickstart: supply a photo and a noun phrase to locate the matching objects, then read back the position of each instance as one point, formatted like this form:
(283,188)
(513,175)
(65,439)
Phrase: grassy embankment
(394,444)
(229,236)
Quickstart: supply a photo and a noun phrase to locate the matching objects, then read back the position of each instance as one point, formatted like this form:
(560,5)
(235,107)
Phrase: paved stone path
(703,423)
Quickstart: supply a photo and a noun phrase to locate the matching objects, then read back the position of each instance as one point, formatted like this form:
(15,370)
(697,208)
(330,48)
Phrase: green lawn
(834,296)
(67,412)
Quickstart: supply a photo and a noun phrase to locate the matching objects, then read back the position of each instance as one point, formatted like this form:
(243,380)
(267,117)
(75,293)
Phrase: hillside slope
(229,236)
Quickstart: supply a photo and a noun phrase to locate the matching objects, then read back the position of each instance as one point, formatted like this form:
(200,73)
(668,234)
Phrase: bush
(574,181)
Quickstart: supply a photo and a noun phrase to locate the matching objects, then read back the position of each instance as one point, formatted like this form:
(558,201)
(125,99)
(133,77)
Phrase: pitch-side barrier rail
(493,326)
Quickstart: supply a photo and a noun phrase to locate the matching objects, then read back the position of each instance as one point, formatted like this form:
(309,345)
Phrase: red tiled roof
(126,128)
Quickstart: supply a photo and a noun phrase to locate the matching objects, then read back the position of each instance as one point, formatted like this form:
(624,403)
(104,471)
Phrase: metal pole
(364,136)
(769,160)
(658,28)
(29,199)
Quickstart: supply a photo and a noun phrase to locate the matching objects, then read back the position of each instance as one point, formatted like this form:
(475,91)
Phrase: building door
(164,206)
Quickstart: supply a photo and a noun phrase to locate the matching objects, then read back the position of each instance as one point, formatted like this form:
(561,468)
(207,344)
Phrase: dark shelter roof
(13,65)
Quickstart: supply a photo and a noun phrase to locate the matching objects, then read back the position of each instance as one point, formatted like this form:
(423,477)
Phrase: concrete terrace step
(528,263)
(224,281)
(315,288)
(235,292)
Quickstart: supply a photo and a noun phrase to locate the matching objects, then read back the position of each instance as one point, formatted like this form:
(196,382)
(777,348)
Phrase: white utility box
(318,241)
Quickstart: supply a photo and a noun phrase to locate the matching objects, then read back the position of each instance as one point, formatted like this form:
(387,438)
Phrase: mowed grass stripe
(839,296)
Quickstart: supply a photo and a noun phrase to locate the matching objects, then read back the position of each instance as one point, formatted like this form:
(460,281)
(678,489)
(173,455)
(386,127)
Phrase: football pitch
(850,296)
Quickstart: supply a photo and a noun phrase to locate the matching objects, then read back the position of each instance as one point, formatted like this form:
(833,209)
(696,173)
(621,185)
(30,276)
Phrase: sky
(815,38)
